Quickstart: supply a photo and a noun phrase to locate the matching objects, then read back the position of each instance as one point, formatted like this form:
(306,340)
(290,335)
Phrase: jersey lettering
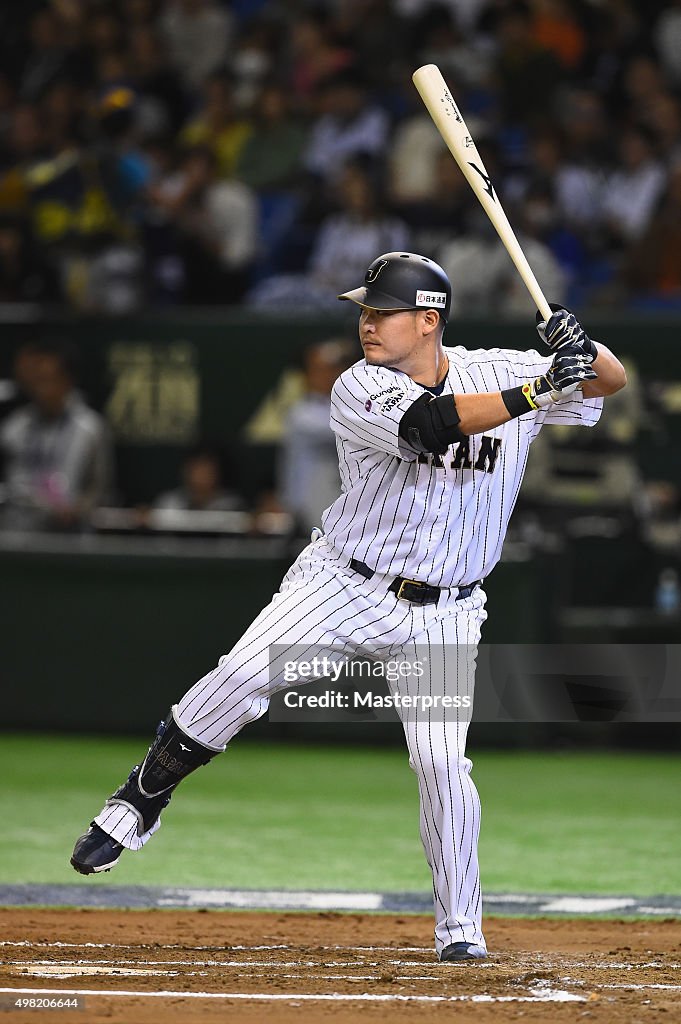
(461,458)
(489,452)
(486,460)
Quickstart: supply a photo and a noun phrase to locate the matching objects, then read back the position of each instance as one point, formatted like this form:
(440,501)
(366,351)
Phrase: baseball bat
(452,127)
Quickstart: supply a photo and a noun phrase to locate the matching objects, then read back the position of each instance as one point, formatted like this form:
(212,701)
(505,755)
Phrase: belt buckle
(412,583)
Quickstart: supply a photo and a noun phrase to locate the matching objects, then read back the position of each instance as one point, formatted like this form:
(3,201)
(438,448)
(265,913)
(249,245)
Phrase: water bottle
(667,592)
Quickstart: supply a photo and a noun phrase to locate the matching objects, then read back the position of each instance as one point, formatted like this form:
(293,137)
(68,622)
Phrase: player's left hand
(564,329)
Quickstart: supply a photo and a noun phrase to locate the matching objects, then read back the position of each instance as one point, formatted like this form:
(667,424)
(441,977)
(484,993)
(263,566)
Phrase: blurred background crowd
(164,152)
(251,158)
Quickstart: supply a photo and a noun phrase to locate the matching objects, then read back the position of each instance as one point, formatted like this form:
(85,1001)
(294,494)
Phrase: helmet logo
(433,299)
(373,272)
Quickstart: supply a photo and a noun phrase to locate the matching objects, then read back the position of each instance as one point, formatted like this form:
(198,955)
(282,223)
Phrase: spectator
(315,57)
(557,30)
(24,276)
(487,280)
(345,240)
(216,222)
(349,126)
(308,472)
(162,103)
(653,265)
(218,124)
(47,57)
(56,449)
(198,34)
(202,488)
(633,190)
(360,228)
(667,36)
(413,159)
(271,156)
(577,187)
(527,74)
(440,215)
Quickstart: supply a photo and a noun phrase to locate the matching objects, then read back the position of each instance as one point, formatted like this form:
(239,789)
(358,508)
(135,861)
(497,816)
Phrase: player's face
(390,337)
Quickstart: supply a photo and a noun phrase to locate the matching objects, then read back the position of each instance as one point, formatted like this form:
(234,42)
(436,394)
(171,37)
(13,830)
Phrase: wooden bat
(452,127)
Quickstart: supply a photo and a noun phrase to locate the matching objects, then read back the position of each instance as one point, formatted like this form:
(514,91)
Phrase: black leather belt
(413,590)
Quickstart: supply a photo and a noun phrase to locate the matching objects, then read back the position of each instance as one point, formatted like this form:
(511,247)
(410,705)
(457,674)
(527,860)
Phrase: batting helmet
(404,280)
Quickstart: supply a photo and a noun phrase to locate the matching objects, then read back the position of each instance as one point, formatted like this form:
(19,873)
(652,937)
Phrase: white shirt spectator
(630,197)
(231,219)
(346,245)
(667,39)
(413,160)
(198,36)
(485,280)
(54,462)
(334,141)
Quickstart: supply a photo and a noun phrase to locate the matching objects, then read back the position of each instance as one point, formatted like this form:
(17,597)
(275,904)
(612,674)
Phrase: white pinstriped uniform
(438,521)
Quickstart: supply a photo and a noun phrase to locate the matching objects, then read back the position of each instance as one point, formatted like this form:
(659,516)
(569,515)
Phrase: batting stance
(432,445)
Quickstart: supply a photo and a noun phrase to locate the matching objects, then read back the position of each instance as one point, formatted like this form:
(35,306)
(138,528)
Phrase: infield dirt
(539,970)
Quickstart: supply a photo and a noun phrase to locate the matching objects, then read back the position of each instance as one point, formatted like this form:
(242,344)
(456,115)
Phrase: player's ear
(431,319)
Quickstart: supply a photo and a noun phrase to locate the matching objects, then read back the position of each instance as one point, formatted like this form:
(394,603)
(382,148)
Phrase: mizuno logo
(182,747)
(489,189)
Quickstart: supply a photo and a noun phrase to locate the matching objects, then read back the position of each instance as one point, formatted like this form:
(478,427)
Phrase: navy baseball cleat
(460,951)
(95,851)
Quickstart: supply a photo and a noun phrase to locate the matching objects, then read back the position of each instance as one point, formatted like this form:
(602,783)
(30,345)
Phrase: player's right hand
(568,371)
(563,329)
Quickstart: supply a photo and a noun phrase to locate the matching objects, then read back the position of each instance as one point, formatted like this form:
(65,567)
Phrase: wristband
(519,400)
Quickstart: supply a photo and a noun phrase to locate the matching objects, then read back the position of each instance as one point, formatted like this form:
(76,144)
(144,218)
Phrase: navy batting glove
(570,368)
(563,329)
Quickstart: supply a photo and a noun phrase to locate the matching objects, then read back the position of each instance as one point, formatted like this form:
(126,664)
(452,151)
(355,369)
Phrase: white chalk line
(537,963)
(635,985)
(548,996)
(147,945)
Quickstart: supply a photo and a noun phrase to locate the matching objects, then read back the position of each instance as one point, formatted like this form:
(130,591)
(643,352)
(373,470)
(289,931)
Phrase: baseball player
(432,444)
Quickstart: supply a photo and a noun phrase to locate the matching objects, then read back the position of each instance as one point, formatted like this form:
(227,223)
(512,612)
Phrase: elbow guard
(431,424)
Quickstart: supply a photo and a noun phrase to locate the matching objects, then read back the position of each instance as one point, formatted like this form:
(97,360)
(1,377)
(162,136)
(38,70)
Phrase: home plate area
(96,965)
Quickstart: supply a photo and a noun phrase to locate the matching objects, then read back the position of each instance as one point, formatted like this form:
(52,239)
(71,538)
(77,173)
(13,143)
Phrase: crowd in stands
(58,457)
(164,152)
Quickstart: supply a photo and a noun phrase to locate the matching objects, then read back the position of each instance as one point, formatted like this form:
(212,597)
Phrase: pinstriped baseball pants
(322,604)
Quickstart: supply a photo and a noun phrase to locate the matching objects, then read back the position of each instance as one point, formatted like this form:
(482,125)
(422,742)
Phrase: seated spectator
(309,480)
(667,38)
(528,76)
(56,449)
(346,242)
(653,266)
(202,488)
(218,125)
(486,279)
(556,28)
(633,190)
(216,222)
(349,126)
(440,215)
(161,102)
(413,159)
(24,275)
(271,156)
(315,56)
(198,36)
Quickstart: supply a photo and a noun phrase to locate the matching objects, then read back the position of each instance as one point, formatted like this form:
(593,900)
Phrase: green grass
(291,817)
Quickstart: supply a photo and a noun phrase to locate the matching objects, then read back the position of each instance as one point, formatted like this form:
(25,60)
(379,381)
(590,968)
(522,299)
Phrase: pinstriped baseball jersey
(439,519)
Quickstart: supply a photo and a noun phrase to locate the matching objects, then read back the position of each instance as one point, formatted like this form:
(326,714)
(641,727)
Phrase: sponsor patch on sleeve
(433,300)
(390,402)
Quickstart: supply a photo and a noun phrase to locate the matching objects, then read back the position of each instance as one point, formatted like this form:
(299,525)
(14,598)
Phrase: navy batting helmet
(404,280)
